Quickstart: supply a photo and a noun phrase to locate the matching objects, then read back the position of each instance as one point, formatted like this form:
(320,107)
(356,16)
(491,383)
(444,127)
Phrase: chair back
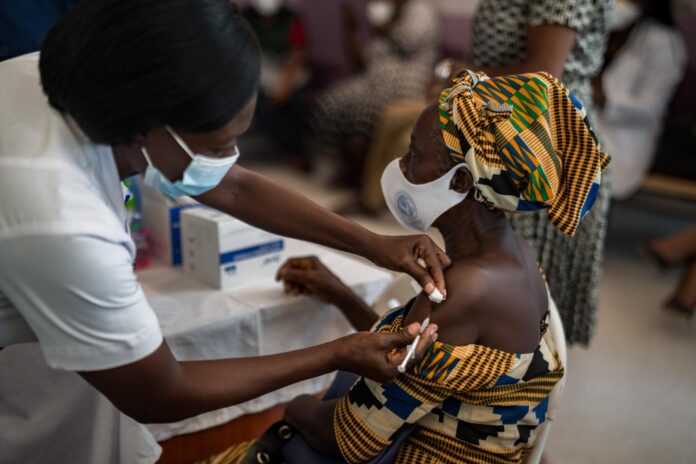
(558,335)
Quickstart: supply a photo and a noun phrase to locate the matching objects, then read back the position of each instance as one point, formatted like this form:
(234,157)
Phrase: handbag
(267,449)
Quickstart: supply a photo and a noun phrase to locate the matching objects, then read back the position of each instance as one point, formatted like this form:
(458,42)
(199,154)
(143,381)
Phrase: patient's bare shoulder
(491,301)
(459,317)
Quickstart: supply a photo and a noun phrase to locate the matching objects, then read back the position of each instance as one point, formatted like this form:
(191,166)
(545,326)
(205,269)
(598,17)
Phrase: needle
(412,347)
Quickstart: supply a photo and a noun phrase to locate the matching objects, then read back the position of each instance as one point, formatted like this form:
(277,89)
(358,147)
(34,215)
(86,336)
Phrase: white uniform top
(66,277)
(66,272)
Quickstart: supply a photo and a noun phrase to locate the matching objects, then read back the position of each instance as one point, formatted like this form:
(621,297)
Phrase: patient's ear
(462,180)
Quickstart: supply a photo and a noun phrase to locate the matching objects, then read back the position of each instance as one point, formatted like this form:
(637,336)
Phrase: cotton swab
(435,296)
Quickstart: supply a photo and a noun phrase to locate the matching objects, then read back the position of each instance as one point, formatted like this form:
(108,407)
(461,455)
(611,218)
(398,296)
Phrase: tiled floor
(631,396)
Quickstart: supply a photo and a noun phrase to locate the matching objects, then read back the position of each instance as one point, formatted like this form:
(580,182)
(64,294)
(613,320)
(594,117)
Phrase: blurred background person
(395,64)
(645,61)
(566,38)
(282,107)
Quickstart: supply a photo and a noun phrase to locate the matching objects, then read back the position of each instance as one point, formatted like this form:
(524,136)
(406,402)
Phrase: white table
(199,322)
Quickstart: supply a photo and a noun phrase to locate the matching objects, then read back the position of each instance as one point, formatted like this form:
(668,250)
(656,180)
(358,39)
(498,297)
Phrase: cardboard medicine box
(161,216)
(224,252)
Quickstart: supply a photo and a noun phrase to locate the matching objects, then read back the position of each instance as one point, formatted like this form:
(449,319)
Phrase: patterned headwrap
(533,147)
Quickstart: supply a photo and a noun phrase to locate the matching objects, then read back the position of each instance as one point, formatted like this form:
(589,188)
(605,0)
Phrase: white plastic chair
(556,328)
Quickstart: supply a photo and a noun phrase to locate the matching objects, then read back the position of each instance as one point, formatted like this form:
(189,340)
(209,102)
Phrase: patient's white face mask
(417,206)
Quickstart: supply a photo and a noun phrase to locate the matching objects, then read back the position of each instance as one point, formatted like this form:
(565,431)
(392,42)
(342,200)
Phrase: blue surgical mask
(204,173)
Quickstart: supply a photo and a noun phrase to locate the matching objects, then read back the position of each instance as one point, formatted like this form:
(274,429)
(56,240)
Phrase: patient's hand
(308,276)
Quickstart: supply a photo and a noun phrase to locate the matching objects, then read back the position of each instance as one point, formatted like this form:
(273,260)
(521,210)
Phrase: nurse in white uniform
(162,88)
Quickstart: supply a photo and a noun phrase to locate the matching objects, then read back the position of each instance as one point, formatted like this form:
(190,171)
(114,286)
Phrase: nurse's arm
(159,388)
(263,203)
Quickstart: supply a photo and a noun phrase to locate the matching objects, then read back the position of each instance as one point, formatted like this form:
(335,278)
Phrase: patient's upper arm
(459,317)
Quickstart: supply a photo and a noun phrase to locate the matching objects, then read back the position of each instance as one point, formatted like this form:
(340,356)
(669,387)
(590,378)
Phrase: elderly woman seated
(481,391)
(514,143)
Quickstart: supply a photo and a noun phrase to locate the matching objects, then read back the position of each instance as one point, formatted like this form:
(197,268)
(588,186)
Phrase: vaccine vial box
(224,252)
(161,216)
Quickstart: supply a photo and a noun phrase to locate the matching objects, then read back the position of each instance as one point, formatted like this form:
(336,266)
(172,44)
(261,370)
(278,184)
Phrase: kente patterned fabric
(533,147)
(470,404)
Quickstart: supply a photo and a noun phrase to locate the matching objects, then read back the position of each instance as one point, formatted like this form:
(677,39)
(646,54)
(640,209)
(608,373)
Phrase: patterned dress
(397,69)
(470,404)
(500,36)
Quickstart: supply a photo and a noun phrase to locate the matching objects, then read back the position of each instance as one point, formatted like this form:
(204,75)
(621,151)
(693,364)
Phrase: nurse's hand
(377,355)
(401,254)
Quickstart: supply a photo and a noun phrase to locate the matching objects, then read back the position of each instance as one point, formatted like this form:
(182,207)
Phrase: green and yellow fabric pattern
(533,147)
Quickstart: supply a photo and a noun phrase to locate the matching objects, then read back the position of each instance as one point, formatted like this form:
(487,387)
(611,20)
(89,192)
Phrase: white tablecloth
(201,323)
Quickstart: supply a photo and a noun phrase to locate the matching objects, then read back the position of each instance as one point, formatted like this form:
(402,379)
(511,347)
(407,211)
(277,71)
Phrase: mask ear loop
(180,142)
(146,154)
